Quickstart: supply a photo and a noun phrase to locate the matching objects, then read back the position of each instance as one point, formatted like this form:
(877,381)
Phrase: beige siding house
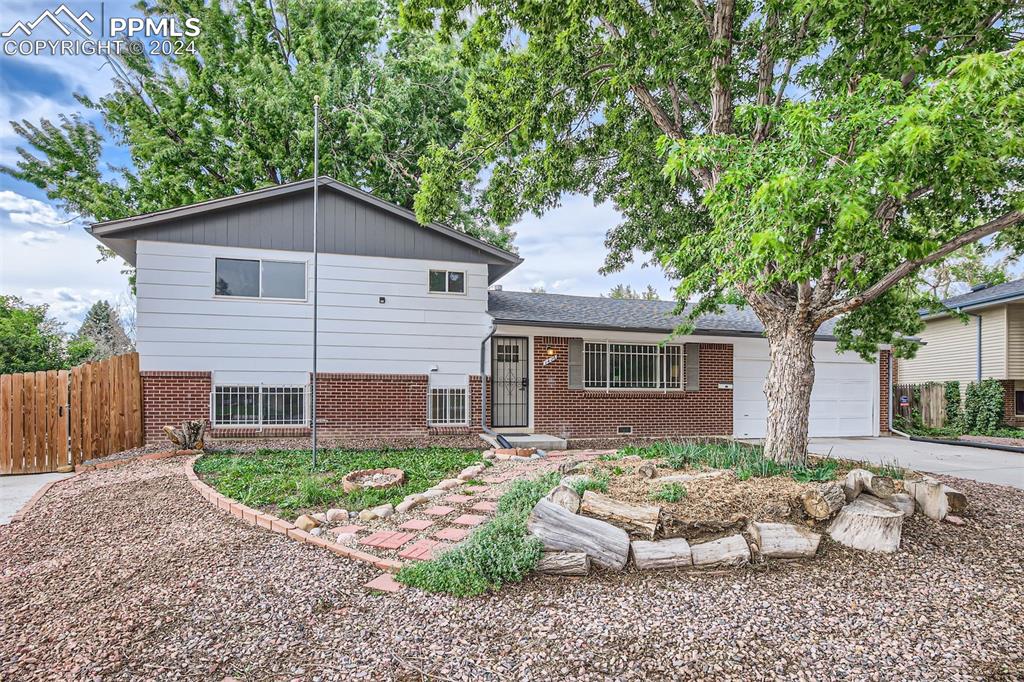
(990,345)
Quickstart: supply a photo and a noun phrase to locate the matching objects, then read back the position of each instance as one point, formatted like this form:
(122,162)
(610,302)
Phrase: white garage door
(843,402)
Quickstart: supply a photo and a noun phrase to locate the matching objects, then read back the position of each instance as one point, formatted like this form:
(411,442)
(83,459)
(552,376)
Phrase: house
(408,324)
(989,345)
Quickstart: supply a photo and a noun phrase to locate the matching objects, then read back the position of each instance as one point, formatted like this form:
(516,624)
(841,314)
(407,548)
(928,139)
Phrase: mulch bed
(128,574)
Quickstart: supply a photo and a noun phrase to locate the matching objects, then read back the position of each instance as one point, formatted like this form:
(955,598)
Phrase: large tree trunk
(788,390)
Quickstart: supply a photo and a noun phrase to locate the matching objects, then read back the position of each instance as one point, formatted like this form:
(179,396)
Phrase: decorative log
(634,518)
(189,436)
(784,541)
(859,480)
(957,500)
(564,563)
(673,553)
(725,552)
(561,530)
(566,497)
(931,496)
(823,501)
(903,502)
(869,524)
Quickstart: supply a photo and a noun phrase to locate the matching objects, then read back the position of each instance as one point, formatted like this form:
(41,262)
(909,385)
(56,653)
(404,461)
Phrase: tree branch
(906,268)
(721,61)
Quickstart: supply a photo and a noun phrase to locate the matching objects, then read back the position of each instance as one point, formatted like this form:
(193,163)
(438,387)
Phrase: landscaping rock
(381,512)
(320,517)
(306,523)
(448,484)
(784,540)
(647,470)
(674,553)
(955,520)
(565,497)
(409,503)
(316,531)
(433,493)
(725,552)
(337,516)
(470,472)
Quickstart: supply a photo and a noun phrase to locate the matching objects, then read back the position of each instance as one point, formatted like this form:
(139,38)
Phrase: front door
(510,372)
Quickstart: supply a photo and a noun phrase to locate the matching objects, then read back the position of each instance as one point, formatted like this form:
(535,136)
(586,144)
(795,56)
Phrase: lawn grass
(497,553)
(282,479)
(747,461)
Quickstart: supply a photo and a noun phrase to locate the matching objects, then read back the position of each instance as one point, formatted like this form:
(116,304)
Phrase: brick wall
(575,413)
(169,398)
(883,391)
(347,405)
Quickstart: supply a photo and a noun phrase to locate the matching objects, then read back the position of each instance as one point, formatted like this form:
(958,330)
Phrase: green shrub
(746,461)
(497,553)
(670,492)
(983,409)
(952,403)
(597,482)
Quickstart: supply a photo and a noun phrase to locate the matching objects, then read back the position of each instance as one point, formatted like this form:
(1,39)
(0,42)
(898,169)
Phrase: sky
(47,257)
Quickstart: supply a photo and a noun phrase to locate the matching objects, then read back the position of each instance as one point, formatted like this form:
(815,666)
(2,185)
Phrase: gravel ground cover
(128,573)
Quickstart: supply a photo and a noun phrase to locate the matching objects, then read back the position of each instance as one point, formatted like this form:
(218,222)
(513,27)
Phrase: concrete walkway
(989,466)
(17,490)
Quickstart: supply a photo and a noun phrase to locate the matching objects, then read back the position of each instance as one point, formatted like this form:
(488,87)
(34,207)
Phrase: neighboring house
(406,321)
(989,345)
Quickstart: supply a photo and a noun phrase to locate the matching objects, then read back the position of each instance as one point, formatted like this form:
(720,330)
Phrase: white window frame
(259,422)
(661,352)
(447,420)
(465,282)
(261,297)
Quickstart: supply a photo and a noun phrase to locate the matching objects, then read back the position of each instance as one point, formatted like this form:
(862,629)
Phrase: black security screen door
(510,369)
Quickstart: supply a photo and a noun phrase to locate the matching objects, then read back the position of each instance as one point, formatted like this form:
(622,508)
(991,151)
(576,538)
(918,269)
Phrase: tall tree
(31,341)
(973,265)
(236,114)
(102,327)
(811,155)
(626,291)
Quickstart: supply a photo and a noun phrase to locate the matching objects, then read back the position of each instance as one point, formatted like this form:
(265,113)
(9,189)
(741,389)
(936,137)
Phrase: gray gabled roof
(995,294)
(256,219)
(588,312)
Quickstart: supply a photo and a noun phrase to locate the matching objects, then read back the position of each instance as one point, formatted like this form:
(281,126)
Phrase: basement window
(632,365)
(446,406)
(258,406)
(447,282)
(1020,403)
(239,277)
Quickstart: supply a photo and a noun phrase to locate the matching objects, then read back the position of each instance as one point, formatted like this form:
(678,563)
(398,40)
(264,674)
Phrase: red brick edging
(19,515)
(255,517)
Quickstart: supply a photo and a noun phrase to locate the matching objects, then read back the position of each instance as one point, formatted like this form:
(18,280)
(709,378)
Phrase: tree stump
(674,553)
(936,499)
(868,524)
(859,480)
(189,436)
(722,553)
(564,563)
(821,502)
(784,540)
(566,497)
(903,502)
(561,530)
(641,520)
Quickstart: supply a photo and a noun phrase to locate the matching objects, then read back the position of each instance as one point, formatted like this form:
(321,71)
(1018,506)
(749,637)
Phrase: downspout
(892,426)
(483,383)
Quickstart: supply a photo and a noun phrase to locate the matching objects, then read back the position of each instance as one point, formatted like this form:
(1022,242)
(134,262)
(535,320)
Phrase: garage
(843,401)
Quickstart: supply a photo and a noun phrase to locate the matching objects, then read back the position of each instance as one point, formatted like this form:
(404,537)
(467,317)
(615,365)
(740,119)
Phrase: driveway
(989,466)
(17,490)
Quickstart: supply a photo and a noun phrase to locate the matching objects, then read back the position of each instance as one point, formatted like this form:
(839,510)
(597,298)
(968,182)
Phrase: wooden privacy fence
(60,418)
(928,399)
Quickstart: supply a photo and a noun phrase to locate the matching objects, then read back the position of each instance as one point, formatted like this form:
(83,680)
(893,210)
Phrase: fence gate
(60,418)
(929,400)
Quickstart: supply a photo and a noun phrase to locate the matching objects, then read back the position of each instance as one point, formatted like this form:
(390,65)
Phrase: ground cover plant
(282,479)
(746,461)
(497,553)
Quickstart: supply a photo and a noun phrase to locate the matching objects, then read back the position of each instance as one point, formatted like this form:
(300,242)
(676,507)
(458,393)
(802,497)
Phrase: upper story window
(447,282)
(260,278)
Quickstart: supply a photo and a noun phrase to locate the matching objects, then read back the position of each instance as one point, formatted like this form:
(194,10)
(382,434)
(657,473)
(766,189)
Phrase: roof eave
(697,331)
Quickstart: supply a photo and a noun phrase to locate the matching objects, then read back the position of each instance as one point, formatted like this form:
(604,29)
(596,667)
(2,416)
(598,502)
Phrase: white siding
(182,326)
(950,351)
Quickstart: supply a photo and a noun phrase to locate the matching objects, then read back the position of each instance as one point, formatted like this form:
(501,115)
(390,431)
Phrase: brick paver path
(439,510)
(470,520)
(387,539)
(422,550)
(417,524)
(453,534)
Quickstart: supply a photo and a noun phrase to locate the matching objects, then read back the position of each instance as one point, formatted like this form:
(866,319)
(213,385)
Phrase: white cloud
(564,249)
(22,211)
(39,238)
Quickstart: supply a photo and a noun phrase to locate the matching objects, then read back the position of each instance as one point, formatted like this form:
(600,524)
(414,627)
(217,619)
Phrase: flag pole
(316,184)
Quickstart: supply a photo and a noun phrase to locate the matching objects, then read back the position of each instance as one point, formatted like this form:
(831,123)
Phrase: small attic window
(447,282)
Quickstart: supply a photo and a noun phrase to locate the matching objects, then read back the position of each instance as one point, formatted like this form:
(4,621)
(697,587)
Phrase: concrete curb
(255,517)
